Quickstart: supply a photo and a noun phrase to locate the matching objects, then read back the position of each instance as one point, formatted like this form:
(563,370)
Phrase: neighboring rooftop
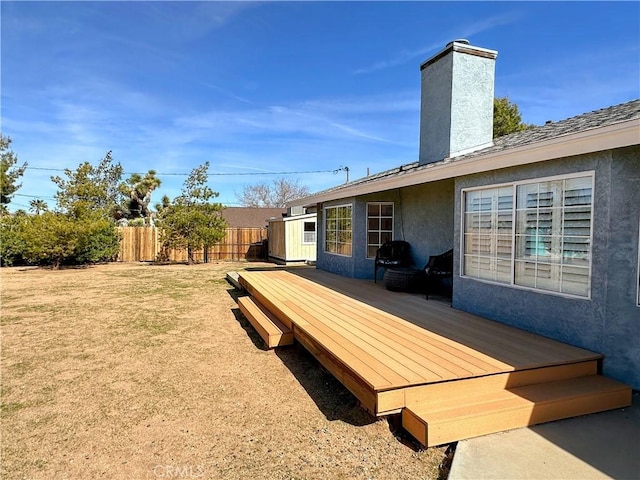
(582,123)
(250,217)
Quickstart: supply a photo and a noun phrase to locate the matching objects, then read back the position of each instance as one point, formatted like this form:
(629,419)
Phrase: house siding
(428,219)
(608,322)
(423,216)
(621,340)
(296,249)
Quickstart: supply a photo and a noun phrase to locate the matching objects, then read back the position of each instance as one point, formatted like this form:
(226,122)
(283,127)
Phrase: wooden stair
(451,374)
(273,331)
(445,420)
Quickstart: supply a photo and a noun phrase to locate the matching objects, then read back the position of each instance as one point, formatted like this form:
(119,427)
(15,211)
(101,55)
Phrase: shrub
(56,239)
(12,243)
(98,241)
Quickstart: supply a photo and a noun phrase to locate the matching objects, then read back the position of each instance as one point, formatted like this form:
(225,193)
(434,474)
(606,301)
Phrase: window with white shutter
(488,233)
(550,229)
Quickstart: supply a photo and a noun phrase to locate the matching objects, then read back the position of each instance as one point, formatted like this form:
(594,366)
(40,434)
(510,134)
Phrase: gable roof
(250,217)
(612,127)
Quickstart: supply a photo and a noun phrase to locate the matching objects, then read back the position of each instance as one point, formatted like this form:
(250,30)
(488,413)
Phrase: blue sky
(281,86)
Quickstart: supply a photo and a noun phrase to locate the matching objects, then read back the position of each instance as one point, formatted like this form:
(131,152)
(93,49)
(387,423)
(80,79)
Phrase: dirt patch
(138,371)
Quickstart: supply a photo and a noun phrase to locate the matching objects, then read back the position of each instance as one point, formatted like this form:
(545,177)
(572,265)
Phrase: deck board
(373,347)
(378,335)
(499,341)
(465,360)
(391,340)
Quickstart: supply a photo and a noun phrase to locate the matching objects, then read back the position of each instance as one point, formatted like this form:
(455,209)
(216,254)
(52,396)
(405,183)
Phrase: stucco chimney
(456,114)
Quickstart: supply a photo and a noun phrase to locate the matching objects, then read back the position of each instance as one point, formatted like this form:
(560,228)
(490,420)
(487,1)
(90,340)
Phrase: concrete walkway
(602,445)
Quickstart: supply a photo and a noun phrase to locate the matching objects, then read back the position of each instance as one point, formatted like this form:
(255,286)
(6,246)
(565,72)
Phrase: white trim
(298,217)
(529,289)
(366,225)
(515,185)
(618,135)
(581,173)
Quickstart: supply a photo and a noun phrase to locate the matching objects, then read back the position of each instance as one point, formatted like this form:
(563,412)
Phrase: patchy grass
(139,371)
(7,409)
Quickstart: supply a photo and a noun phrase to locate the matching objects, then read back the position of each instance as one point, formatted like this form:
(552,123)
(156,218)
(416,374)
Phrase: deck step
(450,419)
(234,279)
(273,331)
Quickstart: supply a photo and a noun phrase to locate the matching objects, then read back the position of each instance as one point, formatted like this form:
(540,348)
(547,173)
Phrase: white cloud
(420,53)
(361,119)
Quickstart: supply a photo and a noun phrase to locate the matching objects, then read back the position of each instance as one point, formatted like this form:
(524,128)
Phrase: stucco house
(544,223)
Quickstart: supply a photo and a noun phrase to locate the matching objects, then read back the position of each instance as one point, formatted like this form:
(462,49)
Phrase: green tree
(9,172)
(275,195)
(50,239)
(80,231)
(57,239)
(192,220)
(98,240)
(12,242)
(90,188)
(137,189)
(38,206)
(507,118)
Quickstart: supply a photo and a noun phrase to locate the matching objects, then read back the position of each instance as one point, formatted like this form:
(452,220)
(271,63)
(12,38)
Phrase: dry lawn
(135,371)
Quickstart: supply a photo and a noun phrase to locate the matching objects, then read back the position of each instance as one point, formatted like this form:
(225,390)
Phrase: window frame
(315,232)
(514,232)
(324,219)
(379,230)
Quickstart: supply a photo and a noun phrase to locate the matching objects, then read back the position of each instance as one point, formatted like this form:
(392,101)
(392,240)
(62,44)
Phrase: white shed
(293,239)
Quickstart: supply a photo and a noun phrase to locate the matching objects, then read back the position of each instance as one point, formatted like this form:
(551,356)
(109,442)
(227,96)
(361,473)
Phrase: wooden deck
(397,351)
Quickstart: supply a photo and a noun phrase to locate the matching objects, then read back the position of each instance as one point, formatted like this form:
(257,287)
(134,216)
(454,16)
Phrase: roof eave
(618,135)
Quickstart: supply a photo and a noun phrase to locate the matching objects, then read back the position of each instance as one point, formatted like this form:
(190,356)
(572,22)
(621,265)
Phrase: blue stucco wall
(608,322)
(423,216)
(621,329)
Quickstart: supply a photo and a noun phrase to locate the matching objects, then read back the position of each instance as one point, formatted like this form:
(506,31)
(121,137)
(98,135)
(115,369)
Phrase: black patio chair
(393,254)
(439,273)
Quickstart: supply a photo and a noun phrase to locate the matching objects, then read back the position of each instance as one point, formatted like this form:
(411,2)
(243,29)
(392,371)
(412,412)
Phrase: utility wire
(208,174)
(33,196)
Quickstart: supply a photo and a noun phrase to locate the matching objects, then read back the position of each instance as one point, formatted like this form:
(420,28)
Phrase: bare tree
(275,195)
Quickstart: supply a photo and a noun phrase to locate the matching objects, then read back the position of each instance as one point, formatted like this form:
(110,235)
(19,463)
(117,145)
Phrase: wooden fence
(142,244)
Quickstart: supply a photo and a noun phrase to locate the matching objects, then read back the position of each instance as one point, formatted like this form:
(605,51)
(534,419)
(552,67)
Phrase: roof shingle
(250,217)
(581,123)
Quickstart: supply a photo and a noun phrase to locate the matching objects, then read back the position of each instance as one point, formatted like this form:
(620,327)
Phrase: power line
(305,172)
(34,196)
